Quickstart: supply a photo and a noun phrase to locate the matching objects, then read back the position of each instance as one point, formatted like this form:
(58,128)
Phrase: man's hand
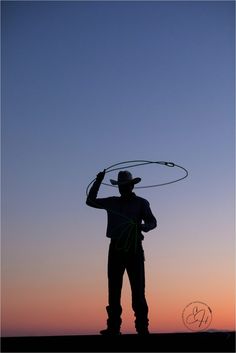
(100,176)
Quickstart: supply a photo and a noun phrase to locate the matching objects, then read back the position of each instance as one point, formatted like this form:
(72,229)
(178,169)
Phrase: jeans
(131,260)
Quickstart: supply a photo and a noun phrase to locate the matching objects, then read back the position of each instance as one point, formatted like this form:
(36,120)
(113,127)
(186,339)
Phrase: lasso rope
(131,226)
(140,163)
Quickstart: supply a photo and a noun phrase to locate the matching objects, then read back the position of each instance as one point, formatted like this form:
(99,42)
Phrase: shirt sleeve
(150,221)
(94,201)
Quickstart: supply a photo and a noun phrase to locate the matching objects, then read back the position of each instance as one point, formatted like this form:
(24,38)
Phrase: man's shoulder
(113,198)
(141,200)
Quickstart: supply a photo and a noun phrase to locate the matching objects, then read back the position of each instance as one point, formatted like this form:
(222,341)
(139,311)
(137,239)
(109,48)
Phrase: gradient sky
(89,84)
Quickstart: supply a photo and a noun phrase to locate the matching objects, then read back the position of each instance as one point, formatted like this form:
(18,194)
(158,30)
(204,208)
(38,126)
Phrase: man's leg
(116,268)
(136,273)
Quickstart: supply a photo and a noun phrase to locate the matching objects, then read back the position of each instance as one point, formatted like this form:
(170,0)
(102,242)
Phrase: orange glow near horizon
(67,294)
(59,309)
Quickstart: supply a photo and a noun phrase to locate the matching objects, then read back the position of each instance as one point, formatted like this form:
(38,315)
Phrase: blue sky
(89,84)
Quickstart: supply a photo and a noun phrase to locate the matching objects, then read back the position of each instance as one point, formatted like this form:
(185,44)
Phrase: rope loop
(138,163)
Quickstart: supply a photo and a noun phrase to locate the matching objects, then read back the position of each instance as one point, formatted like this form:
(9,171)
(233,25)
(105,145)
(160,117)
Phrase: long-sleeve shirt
(125,214)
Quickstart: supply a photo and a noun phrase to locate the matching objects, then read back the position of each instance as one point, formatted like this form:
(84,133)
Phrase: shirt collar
(128,197)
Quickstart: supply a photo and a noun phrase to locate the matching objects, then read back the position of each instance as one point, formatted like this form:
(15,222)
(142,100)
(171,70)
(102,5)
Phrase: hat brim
(133,181)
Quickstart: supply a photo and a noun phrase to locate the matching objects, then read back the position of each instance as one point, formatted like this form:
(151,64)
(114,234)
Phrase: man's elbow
(92,203)
(148,226)
(88,202)
(154,224)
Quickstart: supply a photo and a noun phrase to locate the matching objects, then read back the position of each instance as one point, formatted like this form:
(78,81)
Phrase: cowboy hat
(125,177)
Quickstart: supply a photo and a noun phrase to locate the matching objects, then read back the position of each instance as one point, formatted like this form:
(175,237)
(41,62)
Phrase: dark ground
(167,342)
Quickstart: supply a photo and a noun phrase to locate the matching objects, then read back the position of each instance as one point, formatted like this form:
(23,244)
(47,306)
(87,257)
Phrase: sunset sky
(89,84)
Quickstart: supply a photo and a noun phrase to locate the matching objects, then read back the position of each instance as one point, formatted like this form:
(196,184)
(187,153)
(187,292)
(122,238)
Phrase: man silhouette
(128,216)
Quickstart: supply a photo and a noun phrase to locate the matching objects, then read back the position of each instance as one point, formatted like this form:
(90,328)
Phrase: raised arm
(93,192)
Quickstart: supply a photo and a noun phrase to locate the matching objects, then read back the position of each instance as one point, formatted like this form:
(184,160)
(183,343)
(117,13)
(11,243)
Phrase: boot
(143,332)
(113,323)
(141,325)
(110,332)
